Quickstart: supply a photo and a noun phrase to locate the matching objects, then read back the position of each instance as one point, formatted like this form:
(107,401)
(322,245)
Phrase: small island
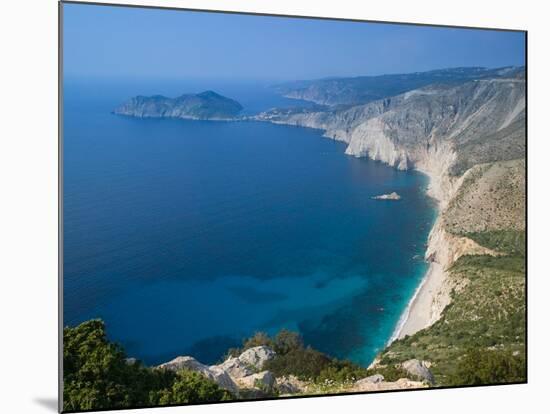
(390,196)
(207,105)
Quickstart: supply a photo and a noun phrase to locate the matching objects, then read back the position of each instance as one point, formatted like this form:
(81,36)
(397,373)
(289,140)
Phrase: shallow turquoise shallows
(187,236)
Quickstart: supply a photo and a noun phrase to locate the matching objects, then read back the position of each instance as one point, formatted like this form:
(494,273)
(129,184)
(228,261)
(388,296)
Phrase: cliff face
(405,130)
(205,105)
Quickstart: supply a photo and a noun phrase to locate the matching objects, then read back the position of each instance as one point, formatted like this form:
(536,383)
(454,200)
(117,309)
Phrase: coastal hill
(363,89)
(207,105)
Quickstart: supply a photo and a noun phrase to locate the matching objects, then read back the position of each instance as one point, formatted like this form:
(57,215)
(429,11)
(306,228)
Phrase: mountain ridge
(363,89)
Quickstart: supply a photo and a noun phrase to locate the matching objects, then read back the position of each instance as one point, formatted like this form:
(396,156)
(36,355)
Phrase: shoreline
(431,295)
(423,308)
(418,313)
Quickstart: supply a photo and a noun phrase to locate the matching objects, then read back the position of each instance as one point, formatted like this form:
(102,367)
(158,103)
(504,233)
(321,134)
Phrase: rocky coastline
(435,130)
(403,132)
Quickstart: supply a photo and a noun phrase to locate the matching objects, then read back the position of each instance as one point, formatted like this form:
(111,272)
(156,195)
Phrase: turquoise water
(186,236)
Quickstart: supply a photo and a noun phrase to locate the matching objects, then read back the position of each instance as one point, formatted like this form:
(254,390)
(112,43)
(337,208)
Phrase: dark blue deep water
(186,236)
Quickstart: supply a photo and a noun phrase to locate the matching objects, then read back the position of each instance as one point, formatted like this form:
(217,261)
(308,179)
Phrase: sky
(117,42)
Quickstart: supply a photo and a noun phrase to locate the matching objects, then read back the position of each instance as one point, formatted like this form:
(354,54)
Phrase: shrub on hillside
(191,388)
(286,341)
(480,367)
(304,363)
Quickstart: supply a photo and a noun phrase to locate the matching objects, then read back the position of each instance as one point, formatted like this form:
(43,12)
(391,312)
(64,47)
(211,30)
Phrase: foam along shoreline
(431,296)
(418,313)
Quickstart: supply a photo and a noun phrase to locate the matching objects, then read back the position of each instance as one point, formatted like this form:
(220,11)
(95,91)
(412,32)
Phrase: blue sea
(187,236)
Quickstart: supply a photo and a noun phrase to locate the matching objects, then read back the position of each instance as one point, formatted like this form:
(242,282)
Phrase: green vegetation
(98,376)
(191,388)
(511,242)
(485,323)
(479,367)
(392,373)
(284,342)
(294,358)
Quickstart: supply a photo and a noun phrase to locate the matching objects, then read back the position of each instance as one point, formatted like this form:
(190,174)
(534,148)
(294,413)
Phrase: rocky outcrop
(400,384)
(235,373)
(244,377)
(290,385)
(373,379)
(257,356)
(214,373)
(419,369)
(236,368)
(264,381)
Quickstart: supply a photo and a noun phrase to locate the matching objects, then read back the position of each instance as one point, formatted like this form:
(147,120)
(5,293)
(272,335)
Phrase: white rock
(418,369)
(235,368)
(216,374)
(264,381)
(257,356)
(373,379)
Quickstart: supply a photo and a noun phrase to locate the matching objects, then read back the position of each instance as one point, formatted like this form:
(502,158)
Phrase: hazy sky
(101,41)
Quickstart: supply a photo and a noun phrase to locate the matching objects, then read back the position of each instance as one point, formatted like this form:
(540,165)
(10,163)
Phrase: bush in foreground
(98,376)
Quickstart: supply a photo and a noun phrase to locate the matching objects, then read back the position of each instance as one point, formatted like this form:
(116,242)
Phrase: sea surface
(187,236)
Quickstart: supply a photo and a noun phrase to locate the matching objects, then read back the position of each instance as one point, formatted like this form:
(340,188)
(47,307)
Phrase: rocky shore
(245,376)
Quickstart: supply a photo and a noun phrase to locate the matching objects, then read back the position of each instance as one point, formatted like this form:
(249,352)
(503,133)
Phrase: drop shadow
(49,403)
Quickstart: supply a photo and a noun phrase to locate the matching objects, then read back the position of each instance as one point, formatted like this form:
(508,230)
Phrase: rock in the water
(264,381)
(235,368)
(390,196)
(373,379)
(216,374)
(419,369)
(257,356)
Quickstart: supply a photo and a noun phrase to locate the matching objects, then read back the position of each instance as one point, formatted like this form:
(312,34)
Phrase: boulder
(235,368)
(214,373)
(290,385)
(373,379)
(419,369)
(257,357)
(264,381)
